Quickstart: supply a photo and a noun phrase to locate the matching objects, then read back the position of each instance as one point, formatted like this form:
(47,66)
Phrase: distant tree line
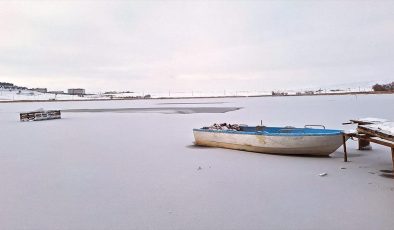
(10,86)
(384,87)
(278,93)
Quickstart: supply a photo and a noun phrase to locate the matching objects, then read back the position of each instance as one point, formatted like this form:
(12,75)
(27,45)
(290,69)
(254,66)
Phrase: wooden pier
(366,135)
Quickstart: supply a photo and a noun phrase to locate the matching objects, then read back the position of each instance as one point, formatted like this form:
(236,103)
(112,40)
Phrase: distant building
(40,90)
(76,91)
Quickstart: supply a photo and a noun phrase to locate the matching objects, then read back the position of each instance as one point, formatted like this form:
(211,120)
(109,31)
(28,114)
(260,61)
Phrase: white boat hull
(299,145)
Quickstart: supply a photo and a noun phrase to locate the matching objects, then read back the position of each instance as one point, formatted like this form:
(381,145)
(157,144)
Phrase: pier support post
(364,144)
(392,156)
(344,148)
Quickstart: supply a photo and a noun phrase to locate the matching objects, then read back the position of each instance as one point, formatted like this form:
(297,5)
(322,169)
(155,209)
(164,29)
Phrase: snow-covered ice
(111,170)
(29,95)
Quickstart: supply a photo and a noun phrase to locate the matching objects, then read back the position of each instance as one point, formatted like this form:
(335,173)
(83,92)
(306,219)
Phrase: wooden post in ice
(392,155)
(364,144)
(344,148)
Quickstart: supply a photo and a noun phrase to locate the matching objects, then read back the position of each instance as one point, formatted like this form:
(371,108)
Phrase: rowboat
(273,140)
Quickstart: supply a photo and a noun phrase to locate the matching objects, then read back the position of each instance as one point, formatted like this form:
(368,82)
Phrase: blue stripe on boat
(278,131)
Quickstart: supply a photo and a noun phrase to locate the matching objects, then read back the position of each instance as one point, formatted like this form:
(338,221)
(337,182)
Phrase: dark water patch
(387,175)
(198,147)
(306,155)
(386,171)
(350,155)
(355,154)
(163,110)
(191,103)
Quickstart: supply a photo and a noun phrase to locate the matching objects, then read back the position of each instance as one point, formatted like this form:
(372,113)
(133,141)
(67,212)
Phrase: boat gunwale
(331,132)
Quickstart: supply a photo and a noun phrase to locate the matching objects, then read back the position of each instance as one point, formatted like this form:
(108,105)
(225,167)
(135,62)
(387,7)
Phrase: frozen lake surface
(136,168)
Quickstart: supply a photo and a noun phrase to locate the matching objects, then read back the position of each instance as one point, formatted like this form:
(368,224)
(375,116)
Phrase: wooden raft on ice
(40,115)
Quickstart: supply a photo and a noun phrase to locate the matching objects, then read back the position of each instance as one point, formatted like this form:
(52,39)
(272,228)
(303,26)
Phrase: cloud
(163,45)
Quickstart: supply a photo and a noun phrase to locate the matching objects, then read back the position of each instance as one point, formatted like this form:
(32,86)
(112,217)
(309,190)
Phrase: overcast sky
(200,45)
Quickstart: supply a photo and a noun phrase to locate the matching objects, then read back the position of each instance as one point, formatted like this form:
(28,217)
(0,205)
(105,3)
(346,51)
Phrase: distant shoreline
(208,97)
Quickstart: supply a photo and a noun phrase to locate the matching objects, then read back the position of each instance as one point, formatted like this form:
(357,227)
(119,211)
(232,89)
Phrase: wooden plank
(376,140)
(382,142)
(371,132)
(361,122)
